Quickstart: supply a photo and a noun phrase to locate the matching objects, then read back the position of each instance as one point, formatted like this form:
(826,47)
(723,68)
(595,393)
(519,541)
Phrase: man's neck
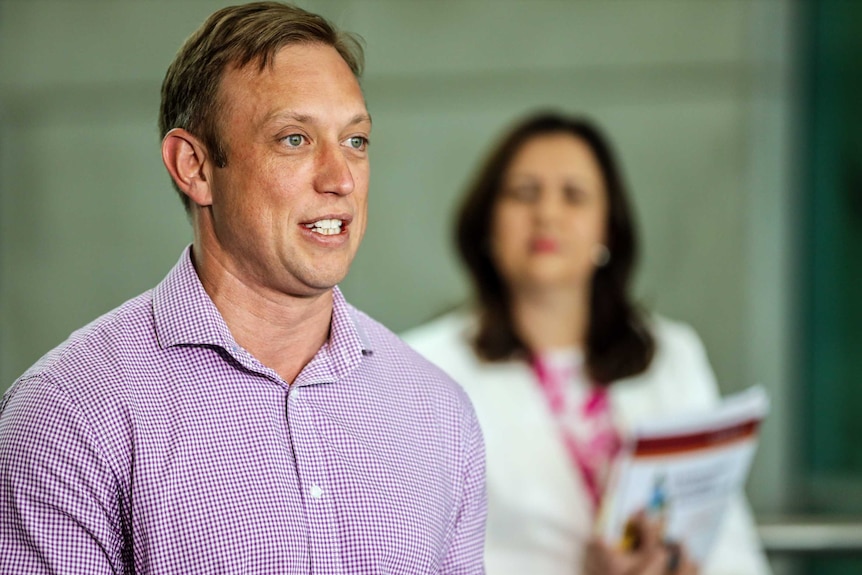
(283,332)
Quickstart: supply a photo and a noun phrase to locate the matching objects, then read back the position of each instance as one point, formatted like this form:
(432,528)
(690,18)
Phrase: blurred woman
(557,359)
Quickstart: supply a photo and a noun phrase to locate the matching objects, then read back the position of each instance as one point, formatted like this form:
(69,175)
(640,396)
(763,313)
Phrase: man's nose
(333,175)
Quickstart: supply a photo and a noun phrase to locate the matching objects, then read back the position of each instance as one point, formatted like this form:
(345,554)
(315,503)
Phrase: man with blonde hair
(242,417)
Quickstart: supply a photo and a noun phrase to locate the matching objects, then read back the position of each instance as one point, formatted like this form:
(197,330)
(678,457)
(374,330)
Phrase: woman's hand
(651,556)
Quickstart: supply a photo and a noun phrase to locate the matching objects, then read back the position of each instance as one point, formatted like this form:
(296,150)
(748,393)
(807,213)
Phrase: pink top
(583,414)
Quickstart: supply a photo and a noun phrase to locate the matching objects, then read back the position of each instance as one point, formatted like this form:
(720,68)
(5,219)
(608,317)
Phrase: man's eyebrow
(309,119)
(359,119)
(283,115)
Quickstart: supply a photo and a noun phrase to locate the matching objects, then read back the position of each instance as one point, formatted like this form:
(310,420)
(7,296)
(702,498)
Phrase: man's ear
(185,158)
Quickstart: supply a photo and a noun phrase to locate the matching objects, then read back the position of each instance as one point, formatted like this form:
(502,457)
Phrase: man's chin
(313,285)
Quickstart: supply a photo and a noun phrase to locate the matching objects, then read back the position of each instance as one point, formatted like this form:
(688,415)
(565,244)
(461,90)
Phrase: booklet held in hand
(683,472)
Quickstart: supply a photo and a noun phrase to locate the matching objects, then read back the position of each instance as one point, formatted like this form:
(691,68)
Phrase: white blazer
(539,514)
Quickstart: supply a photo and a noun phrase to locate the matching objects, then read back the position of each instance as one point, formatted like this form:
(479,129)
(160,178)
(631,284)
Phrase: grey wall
(698,96)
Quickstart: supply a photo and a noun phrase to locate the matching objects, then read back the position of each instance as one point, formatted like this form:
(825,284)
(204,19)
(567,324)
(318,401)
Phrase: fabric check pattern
(150,442)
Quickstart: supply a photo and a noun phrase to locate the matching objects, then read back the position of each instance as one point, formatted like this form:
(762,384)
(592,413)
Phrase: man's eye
(294,140)
(357,142)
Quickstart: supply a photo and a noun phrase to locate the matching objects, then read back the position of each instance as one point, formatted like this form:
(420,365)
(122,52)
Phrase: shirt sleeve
(59,510)
(467,542)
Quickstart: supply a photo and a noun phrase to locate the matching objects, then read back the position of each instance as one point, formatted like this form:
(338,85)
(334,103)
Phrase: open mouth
(327,227)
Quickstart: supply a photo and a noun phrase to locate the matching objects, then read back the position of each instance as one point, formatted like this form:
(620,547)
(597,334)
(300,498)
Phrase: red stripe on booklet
(671,444)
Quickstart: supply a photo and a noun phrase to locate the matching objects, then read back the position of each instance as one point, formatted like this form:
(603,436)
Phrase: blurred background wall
(701,98)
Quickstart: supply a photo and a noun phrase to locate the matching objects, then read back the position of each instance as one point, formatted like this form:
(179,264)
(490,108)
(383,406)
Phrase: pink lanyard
(591,455)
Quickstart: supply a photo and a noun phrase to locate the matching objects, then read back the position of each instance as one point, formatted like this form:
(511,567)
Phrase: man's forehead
(308,58)
(303,82)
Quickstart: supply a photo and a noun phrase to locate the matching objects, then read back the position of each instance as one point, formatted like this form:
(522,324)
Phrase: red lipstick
(544,246)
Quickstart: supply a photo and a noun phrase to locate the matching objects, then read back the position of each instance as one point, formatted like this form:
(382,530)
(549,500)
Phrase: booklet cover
(684,471)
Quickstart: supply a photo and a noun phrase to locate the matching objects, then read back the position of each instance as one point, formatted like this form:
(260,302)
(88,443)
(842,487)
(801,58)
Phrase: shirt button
(316,492)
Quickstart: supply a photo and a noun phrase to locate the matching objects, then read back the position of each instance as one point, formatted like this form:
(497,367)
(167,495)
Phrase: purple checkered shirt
(150,442)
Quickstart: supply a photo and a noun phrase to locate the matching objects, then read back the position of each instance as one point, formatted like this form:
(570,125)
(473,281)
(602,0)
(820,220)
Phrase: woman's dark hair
(618,342)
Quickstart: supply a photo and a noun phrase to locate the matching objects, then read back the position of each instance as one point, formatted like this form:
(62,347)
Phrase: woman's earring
(601,255)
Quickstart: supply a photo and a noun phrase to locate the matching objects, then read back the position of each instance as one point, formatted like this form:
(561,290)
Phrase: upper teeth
(325,227)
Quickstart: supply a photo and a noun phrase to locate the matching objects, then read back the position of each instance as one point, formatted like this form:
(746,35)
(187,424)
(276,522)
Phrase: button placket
(311,462)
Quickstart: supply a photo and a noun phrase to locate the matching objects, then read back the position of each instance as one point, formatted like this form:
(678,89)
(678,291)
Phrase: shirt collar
(185,315)
(347,342)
